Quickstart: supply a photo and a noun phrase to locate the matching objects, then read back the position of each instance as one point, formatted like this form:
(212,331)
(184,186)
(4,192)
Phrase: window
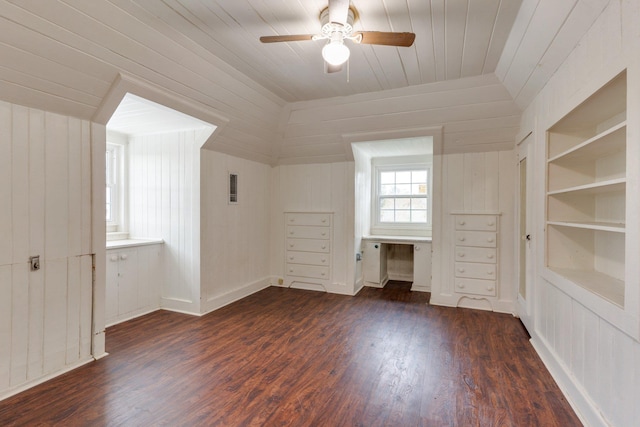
(402,197)
(114,190)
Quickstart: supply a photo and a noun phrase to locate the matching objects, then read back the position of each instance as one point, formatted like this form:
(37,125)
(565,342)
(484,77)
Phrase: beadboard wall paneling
(543,35)
(164,203)
(476,113)
(45,178)
(234,237)
(595,363)
(476,182)
(63,56)
(326,187)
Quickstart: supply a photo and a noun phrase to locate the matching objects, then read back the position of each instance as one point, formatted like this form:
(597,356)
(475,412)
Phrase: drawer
(476,222)
(472,254)
(308,232)
(312,258)
(476,287)
(308,245)
(318,219)
(475,270)
(484,239)
(311,271)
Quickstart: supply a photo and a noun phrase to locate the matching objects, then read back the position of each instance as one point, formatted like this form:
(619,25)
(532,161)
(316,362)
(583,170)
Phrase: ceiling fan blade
(386,38)
(338,11)
(292,38)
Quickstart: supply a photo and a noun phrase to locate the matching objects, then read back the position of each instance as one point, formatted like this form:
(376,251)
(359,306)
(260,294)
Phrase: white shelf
(607,287)
(610,141)
(599,187)
(600,226)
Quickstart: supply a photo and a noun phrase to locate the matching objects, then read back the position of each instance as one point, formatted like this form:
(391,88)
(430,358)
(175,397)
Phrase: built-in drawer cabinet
(471,254)
(308,246)
(476,286)
(476,254)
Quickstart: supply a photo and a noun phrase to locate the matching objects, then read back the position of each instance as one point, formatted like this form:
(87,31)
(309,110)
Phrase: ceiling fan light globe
(335,53)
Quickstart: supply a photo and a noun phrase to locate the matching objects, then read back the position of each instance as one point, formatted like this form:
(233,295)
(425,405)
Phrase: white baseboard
(45,378)
(180,306)
(131,316)
(575,394)
(220,301)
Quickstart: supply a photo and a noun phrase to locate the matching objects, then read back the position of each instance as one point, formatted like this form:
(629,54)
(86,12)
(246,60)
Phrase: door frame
(525,306)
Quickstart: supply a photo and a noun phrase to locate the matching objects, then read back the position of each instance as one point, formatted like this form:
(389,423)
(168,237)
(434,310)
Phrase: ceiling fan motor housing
(330,28)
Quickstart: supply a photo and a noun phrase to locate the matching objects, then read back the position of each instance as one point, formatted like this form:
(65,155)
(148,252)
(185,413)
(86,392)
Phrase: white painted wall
(234,238)
(45,209)
(476,182)
(164,202)
(326,187)
(596,364)
(476,114)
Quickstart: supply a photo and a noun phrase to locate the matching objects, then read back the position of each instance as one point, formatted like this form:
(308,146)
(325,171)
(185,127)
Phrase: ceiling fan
(337,26)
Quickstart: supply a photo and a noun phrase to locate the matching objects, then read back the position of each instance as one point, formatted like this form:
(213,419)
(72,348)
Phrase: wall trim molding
(227,298)
(577,397)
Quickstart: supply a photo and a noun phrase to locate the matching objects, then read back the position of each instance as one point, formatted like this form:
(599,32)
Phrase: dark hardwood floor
(303,358)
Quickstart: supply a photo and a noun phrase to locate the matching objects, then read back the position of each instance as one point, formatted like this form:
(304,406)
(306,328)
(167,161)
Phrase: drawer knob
(124,256)
(461,222)
(461,239)
(324,246)
(490,273)
(292,220)
(460,285)
(291,232)
(322,274)
(416,248)
(324,219)
(490,240)
(461,254)
(324,233)
(489,288)
(490,256)
(291,245)
(323,260)
(291,270)
(461,270)
(490,223)
(114,257)
(291,258)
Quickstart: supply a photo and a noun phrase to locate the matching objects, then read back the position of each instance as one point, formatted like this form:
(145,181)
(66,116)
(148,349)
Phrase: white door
(524,234)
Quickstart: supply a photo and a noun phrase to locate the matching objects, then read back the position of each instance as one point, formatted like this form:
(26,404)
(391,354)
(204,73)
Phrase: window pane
(386,216)
(403,203)
(387,189)
(419,216)
(403,177)
(418,176)
(419,203)
(387,177)
(403,216)
(403,189)
(387,203)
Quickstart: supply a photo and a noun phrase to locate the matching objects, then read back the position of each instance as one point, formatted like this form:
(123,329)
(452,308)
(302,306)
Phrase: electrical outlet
(280,281)
(35,262)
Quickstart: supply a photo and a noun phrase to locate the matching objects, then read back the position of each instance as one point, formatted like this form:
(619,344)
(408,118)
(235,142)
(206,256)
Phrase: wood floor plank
(285,357)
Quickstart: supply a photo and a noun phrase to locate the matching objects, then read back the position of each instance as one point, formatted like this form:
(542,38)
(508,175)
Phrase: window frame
(399,164)
(116,146)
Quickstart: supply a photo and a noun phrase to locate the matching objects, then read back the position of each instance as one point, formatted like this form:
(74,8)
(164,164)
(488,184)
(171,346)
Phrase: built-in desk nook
(403,258)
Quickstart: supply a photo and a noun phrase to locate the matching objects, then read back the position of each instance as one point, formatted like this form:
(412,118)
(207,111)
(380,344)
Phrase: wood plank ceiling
(65,55)
(454,39)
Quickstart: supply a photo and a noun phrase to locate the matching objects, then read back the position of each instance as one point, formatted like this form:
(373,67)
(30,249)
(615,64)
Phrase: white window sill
(117,235)
(126,243)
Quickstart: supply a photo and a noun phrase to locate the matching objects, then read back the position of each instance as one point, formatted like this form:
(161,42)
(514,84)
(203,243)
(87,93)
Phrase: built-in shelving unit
(586,193)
